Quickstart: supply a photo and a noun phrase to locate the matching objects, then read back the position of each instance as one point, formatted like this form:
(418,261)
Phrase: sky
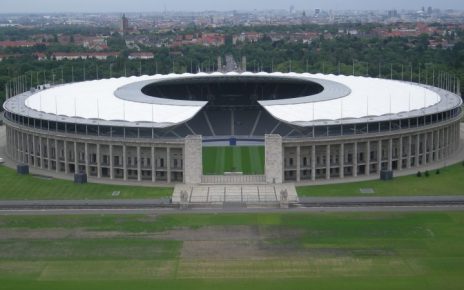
(48,6)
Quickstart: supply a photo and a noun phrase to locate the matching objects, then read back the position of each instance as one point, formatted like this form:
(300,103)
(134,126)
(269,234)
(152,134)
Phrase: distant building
(84,55)
(141,55)
(124,25)
(18,44)
(40,56)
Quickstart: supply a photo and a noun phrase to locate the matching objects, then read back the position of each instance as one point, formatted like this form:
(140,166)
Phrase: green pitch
(249,160)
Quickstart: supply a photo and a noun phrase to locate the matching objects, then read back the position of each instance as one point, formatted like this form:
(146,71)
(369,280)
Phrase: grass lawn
(18,187)
(450,181)
(249,160)
(234,251)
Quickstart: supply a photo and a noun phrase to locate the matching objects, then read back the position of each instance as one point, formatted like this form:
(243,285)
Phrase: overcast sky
(28,6)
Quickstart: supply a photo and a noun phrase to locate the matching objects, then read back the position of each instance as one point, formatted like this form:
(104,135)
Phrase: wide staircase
(246,195)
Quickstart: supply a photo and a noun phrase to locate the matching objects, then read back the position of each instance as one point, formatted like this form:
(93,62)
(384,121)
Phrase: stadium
(233,128)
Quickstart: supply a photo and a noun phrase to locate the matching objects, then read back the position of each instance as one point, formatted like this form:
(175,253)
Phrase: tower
(124,25)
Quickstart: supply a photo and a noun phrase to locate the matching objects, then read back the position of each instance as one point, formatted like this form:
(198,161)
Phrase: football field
(249,160)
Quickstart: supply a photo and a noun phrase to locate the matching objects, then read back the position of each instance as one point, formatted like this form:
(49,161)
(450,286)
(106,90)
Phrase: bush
(427,174)
(419,174)
(437,172)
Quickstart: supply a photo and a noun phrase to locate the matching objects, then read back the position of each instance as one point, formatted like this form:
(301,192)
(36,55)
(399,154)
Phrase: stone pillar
(99,170)
(437,148)
(327,161)
(379,156)
(111,162)
(153,165)
(41,151)
(417,149)
(443,143)
(313,162)
(390,154)
(25,157)
(17,152)
(273,158)
(409,153)
(124,161)
(66,165)
(432,147)
(424,146)
(193,159)
(32,155)
(400,160)
(342,160)
(168,164)
(139,164)
(76,160)
(18,144)
(446,143)
(49,163)
(456,136)
(57,157)
(298,163)
(86,159)
(368,158)
(355,159)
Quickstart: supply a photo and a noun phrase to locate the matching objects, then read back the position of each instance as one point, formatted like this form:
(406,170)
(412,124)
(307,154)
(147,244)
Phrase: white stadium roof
(364,98)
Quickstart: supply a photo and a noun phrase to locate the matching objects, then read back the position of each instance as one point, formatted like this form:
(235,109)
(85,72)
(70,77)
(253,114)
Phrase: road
(348,204)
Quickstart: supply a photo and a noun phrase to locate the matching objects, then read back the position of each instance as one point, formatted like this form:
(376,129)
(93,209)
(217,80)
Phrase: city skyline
(88,6)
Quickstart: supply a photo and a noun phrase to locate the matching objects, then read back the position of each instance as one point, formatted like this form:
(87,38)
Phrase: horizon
(147,6)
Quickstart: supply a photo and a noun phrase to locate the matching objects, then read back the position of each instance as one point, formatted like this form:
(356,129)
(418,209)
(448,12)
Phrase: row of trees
(386,58)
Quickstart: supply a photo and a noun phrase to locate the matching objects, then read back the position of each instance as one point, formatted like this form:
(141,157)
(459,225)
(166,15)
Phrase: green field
(14,186)
(450,181)
(249,160)
(234,251)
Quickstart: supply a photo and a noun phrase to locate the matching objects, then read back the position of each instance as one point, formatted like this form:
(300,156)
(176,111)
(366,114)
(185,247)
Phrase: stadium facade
(313,126)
